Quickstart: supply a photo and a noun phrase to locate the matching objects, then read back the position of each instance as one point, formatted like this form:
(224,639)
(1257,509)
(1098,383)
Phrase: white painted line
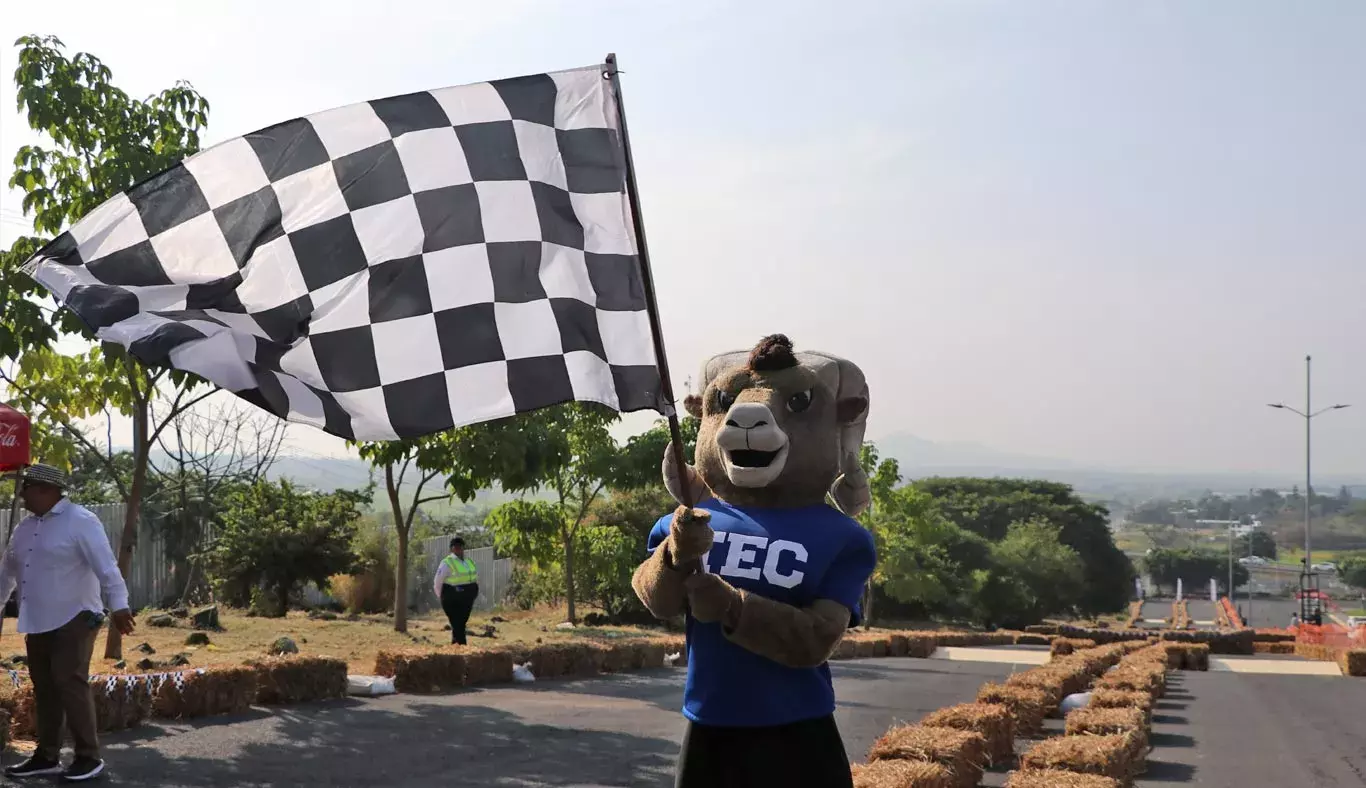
(1006,655)
(1283,667)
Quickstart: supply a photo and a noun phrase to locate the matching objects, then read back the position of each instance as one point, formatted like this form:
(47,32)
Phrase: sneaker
(83,769)
(34,767)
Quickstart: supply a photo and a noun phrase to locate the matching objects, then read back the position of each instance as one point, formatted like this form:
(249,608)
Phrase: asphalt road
(1215,729)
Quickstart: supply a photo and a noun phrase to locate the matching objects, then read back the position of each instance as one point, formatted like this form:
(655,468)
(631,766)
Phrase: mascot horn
(767,572)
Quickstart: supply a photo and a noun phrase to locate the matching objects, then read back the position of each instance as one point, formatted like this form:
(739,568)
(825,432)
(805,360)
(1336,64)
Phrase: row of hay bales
(126,701)
(1181,615)
(449,668)
(1135,616)
(1352,661)
(951,747)
(1235,641)
(1235,621)
(1105,743)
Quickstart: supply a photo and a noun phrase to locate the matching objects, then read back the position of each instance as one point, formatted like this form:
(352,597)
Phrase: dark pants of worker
(59,667)
(796,755)
(457,602)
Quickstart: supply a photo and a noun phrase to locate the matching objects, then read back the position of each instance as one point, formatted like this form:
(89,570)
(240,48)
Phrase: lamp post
(1307,414)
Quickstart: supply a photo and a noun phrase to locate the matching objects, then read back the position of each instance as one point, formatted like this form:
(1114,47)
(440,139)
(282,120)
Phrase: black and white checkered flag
(387,269)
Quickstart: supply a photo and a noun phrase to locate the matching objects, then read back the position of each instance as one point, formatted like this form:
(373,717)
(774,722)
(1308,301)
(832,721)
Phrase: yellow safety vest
(463,571)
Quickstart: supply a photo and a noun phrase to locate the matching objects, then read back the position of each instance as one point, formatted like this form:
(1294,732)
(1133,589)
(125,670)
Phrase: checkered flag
(387,269)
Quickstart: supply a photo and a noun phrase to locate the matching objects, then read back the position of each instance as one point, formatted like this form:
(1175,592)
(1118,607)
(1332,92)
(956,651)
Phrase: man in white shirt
(61,561)
(457,586)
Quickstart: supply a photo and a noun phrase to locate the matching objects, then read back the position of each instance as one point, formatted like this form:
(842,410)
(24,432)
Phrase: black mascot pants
(796,755)
(457,602)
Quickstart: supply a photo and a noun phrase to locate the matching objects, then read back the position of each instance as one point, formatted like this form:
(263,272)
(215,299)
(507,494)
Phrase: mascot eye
(724,399)
(799,402)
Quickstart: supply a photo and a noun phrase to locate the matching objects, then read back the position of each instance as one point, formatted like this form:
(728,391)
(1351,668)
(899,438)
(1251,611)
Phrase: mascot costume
(768,573)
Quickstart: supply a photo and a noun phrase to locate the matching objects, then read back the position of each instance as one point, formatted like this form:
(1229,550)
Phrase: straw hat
(45,474)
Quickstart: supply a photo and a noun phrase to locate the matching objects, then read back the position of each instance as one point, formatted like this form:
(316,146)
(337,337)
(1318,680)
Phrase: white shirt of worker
(443,571)
(61,563)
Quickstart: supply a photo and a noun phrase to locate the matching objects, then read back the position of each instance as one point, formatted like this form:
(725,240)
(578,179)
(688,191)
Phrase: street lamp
(1307,414)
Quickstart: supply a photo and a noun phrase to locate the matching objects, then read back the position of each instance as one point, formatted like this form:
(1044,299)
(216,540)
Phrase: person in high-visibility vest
(457,586)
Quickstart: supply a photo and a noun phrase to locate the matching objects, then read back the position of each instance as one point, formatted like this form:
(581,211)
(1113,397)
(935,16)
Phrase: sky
(1106,232)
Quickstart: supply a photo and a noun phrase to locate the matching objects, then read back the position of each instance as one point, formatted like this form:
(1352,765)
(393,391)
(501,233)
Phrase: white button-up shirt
(61,562)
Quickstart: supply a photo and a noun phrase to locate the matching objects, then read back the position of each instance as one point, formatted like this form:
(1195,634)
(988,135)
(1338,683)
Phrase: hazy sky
(1107,232)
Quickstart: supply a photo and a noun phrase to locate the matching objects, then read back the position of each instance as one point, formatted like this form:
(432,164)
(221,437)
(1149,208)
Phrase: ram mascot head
(778,429)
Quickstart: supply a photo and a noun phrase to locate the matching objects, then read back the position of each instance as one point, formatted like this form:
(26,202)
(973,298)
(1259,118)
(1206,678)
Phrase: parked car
(1253,560)
(1326,566)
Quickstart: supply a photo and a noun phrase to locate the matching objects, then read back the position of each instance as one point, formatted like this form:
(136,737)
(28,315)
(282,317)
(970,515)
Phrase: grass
(354,641)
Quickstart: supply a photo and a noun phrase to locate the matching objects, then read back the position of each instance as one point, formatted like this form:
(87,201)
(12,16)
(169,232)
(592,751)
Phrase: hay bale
(215,691)
(1138,672)
(1106,756)
(962,753)
(1353,662)
(898,645)
(1273,647)
(901,774)
(1103,722)
(920,646)
(992,720)
(422,671)
(1061,647)
(1031,639)
(1058,681)
(299,679)
(1123,699)
(646,655)
(845,649)
(1027,705)
(121,702)
(18,704)
(1052,778)
(488,666)
(617,657)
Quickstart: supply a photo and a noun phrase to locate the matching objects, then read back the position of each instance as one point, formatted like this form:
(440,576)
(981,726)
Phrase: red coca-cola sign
(14,439)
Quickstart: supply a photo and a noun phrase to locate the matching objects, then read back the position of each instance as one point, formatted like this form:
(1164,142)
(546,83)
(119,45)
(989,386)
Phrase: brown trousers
(59,666)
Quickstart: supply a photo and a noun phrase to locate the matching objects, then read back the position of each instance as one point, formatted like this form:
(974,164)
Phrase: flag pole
(610,72)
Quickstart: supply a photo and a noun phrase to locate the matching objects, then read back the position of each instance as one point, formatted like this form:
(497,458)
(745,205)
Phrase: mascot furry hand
(769,574)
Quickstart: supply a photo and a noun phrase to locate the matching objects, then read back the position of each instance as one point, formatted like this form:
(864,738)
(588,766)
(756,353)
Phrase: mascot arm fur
(798,637)
(659,580)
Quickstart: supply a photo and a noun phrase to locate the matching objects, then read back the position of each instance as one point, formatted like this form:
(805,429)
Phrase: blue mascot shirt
(794,556)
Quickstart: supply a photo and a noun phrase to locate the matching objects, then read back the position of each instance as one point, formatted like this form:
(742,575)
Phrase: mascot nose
(748,415)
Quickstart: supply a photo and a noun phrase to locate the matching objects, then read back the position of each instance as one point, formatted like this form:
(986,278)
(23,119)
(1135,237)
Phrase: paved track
(1215,729)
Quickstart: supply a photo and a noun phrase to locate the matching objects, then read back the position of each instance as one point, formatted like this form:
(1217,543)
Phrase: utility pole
(1307,579)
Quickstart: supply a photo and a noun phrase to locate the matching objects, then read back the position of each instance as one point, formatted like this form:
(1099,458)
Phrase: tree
(202,457)
(883,477)
(103,142)
(988,507)
(925,561)
(611,543)
(574,458)
(469,459)
(1194,568)
(639,460)
(1262,544)
(276,537)
(1033,576)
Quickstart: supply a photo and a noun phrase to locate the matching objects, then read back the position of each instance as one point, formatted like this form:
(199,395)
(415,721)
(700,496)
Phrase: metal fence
(149,576)
(495,575)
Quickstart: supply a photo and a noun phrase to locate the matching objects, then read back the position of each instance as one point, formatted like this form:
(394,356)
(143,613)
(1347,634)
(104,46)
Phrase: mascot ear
(851,409)
(693,405)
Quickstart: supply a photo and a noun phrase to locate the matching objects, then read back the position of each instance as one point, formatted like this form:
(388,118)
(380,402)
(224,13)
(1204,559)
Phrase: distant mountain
(914,452)
(920,458)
